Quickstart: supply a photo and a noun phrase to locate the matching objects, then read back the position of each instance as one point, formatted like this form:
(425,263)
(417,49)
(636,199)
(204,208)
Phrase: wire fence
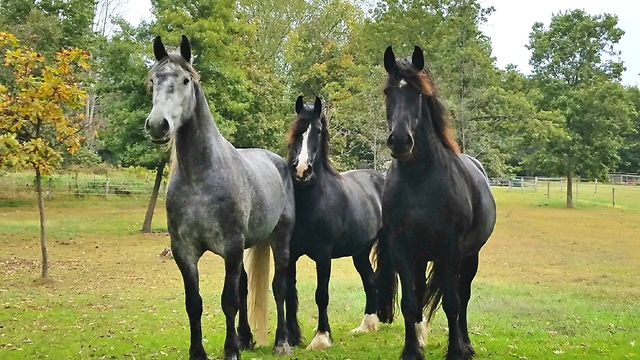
(79,184)
(620,190)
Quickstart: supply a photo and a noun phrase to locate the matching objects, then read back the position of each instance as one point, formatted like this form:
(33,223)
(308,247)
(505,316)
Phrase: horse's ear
(159,51)
(299,104)
(317,106)
(185,49)
(389,59)
(417,59)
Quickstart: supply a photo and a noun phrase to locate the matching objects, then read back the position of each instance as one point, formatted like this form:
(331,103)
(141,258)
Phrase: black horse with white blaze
(337,215)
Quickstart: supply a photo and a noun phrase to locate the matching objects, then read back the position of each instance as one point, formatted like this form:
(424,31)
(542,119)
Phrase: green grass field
(553,283)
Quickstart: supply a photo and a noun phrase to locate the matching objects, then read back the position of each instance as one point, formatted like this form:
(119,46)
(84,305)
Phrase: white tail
(256,263)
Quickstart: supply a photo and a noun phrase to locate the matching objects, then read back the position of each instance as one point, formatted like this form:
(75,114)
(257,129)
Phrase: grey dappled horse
(223,200)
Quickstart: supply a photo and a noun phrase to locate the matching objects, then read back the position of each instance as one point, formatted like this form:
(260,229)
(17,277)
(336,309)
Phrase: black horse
(437,206)
(337,215)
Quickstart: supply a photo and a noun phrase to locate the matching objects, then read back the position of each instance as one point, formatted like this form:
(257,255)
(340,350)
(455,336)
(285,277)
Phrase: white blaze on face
(403,83)
(303,157)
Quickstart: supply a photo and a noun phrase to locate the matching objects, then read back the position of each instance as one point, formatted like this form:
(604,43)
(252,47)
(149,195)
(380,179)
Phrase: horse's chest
(429,213)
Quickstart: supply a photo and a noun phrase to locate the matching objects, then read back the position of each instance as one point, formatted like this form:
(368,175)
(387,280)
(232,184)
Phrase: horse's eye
(186,81)
(319,131)
(151,81)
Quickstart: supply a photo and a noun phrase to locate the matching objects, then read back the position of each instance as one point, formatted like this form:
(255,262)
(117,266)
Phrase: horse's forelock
(176,58)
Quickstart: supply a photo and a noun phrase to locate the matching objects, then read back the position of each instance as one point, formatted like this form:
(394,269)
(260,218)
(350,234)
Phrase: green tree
(630,151)
(577,70)
(125,103)
(40,110)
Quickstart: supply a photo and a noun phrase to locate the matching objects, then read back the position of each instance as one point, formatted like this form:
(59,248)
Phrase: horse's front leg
(322,339)
(403,261)
(188,264)
(231,299)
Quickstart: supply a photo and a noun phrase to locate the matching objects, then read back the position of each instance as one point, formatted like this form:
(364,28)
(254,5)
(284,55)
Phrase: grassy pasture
(553,284)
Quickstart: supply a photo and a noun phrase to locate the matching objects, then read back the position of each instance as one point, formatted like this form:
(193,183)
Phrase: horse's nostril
(390,140)
(146,125)
(165,127)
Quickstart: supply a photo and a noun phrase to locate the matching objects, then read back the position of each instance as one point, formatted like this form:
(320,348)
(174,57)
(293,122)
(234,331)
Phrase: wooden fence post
(106,191)
(613,196)
(50,193)
(548,188)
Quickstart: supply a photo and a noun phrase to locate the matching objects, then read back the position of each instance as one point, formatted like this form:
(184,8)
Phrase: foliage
(39,107)
(577,73)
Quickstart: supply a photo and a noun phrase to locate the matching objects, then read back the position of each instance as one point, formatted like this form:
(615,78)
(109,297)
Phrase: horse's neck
(429,150)
(199,145)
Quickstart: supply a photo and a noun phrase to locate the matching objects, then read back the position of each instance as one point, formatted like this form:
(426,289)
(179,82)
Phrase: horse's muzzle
(159,131)
(401,146)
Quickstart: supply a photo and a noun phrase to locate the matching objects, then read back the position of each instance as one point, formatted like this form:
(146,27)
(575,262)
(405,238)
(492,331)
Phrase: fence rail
(77,185)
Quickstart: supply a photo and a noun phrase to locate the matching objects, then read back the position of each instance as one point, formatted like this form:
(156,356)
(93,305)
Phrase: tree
(125,102)
(40,112)
(577,71)
(630,151)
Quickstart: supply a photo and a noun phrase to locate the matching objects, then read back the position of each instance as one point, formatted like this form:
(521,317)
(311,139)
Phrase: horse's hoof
(422,331)
(321,341)
(411,353)
(246,343)
(232,355)
(283,349)
(198,355)
(369,323)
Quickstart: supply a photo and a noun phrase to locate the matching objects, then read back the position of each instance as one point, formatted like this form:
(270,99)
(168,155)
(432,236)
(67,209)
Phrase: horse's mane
(422,81)
(299,126)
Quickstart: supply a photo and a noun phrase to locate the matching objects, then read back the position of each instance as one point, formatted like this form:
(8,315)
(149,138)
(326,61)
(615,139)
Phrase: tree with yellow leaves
(41,110)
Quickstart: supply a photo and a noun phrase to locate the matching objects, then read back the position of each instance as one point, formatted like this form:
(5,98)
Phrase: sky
(510,24)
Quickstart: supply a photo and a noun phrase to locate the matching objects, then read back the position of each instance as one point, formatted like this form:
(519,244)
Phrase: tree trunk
(43,242)
(570,189)
(146,227)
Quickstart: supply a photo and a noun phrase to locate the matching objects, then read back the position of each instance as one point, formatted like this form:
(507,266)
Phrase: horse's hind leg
(188,266)
(231,298)
(322,339)
(280,250)
(370,321)
(245,338)
(468,270)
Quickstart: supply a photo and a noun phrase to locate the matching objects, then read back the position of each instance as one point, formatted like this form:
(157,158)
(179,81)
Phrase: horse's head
(404,100)
(306,139)
(174,99)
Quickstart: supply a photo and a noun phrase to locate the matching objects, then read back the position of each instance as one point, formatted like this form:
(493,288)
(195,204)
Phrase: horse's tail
(435,284)
(256,262)
(386,278)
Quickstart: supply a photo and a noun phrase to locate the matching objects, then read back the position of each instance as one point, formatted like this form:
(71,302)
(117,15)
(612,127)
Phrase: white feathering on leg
(369,323)
(422,331)
(321,341)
